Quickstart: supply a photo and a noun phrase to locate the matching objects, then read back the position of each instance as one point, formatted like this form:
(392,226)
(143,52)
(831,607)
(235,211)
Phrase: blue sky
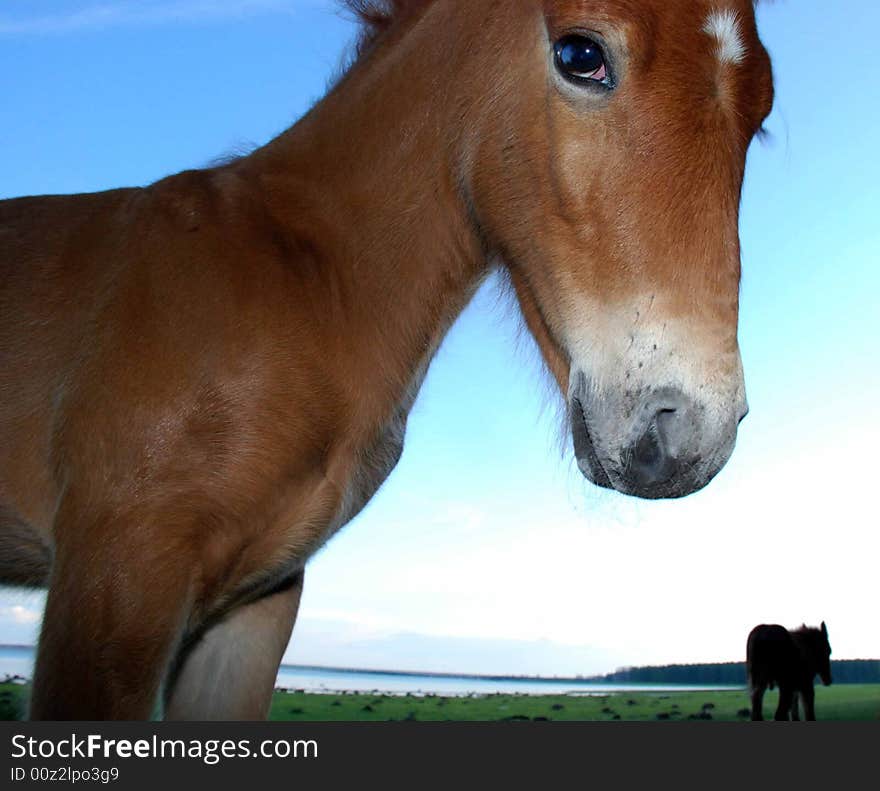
(485,551)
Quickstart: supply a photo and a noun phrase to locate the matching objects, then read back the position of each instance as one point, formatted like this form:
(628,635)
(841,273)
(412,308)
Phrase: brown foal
(203,379)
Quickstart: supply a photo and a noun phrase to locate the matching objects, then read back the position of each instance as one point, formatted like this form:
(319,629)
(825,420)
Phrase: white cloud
(101,16)
(20,615)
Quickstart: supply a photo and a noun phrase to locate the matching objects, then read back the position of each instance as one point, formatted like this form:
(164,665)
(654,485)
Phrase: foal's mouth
(585,448)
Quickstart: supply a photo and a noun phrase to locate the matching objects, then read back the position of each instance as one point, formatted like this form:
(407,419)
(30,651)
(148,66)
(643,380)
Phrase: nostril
(666,455)
(654,454)
(648,451)
(665,417)
(666,421)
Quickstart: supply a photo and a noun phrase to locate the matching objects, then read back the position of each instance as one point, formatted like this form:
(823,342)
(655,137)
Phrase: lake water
(19,660)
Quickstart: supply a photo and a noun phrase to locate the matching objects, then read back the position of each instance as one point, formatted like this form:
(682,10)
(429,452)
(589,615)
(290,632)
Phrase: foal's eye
(581,59)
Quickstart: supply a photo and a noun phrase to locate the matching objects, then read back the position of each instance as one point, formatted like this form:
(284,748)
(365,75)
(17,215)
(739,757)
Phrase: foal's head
(601,152)
(606,173)
(816,650)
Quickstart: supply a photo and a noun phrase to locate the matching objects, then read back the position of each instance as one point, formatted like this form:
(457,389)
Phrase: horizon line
(597,678)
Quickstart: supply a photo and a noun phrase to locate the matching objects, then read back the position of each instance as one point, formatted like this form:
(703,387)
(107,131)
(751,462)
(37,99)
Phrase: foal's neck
(370,177)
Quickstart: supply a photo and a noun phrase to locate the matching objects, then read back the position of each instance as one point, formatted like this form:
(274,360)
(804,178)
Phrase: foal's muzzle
(657,444)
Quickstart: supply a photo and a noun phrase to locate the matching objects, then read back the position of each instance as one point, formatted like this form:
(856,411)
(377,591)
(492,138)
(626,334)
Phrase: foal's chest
(371,468)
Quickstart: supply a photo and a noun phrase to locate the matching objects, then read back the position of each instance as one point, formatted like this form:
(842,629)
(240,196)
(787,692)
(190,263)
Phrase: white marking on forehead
(724,27)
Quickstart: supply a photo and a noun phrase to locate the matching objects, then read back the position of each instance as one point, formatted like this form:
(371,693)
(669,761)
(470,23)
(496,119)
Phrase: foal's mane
(378,16)
(807,634)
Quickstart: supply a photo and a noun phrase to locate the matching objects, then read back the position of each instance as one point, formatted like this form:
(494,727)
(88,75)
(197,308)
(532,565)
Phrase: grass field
(841,702)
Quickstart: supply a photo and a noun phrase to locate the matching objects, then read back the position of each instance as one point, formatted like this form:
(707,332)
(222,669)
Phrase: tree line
(844,671)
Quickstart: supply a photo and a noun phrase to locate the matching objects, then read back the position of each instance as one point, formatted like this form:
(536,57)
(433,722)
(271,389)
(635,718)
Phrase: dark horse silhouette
(775,655)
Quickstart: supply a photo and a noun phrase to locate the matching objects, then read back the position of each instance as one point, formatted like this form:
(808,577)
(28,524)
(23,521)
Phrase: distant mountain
(340,644)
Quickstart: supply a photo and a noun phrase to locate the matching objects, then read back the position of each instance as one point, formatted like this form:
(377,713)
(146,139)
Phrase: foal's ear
(824,630)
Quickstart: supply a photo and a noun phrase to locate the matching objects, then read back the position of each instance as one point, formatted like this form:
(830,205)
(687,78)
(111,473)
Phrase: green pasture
(839,702)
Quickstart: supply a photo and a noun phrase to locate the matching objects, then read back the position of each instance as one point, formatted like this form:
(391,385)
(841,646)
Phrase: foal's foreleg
(786,695)
(116,607)
(809,696)
(795,713)
(229,674)
(757,696)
